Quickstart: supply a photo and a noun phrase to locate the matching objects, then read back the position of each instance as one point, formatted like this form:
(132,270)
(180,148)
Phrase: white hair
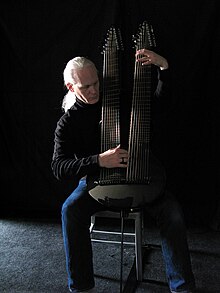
(69,77)
(68,101)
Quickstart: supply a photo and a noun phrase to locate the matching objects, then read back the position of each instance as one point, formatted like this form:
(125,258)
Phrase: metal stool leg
(122,250)
(92,224)
(138,246)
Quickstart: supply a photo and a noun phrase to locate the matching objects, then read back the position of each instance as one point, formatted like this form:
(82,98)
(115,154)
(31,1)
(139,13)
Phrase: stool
(137,216)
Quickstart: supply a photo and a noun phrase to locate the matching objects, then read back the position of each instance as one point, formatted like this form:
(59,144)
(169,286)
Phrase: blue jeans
(76,217)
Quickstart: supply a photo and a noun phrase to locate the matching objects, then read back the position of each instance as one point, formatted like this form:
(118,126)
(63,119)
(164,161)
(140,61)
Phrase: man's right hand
(114,158)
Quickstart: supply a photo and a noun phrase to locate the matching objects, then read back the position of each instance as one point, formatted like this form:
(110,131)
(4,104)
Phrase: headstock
(113,40)
(145,37)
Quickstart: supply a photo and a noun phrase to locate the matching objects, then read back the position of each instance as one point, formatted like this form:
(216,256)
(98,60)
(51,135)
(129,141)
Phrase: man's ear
(70,86)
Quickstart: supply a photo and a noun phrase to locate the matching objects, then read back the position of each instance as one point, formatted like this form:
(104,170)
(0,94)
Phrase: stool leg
(138,247)
(122,250)
(92,223)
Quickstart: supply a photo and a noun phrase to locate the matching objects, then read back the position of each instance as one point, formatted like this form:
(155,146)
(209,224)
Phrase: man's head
(81,78)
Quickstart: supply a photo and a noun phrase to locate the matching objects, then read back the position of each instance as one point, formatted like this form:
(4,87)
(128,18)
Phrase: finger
(122,165)
(123,151)
(123,155)
(141,51)
(144,59)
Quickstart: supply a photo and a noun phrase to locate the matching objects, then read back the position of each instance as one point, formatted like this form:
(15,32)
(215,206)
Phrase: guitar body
(144,178)
(129,195)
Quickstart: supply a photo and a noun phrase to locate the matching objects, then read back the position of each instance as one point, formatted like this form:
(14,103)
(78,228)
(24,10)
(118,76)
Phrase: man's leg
(170,220)
(76,217)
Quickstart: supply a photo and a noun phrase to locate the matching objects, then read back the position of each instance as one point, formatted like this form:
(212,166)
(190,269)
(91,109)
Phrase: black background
(39,37)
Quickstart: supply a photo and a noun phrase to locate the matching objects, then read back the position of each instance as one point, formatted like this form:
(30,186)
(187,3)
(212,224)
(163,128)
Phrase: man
(77,155)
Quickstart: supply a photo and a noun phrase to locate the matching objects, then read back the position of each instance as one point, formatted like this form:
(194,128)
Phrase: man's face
(86,87)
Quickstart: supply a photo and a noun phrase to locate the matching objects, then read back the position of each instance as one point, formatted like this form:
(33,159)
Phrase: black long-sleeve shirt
(78,137)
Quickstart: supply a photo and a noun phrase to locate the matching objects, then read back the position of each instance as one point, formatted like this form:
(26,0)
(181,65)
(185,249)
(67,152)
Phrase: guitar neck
(111,101)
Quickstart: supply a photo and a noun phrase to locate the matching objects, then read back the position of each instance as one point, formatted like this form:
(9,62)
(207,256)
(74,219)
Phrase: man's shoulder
(68,117)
